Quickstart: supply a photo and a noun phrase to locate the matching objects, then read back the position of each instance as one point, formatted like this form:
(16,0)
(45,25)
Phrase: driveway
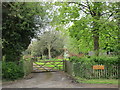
(52,80)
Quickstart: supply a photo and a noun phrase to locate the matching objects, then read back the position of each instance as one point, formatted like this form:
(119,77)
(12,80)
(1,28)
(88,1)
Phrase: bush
(106,60)
(97,60)
(11,71)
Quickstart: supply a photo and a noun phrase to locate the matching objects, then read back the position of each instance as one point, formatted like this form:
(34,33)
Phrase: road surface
(52,80)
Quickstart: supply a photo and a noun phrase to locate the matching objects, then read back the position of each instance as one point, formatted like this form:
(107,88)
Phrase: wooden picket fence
(87,71)
(108,72)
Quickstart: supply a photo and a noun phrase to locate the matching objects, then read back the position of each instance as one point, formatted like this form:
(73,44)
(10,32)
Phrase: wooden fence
(48,65)
(86,71)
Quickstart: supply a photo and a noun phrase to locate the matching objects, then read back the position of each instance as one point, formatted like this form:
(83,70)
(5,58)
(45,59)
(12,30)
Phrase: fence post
(27,67)
(64,65)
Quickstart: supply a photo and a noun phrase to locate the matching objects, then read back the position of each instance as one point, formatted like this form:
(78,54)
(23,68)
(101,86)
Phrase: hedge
(11,71)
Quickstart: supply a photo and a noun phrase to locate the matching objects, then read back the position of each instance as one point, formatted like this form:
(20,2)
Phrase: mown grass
(51,60)
(97,81)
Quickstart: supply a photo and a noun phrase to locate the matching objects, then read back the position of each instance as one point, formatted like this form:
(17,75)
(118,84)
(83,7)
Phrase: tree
(50,40)
(91,23)
(116,8)
(20,23)
(36,48)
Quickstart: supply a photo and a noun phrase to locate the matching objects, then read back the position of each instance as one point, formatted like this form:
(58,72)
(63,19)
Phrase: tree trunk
(96,43)
(49,52)
(96,37)
(42,56)
(96,14)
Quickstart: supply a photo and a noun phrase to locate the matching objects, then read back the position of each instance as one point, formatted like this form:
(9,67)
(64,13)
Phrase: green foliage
(20,22)
(92,27)
(96,60)
(49,43)
(106,60)
(72,45)
(11,71)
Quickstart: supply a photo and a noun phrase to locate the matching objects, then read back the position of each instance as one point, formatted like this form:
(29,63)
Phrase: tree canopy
(88,26)
(93,24)
(52,41)
(20,22)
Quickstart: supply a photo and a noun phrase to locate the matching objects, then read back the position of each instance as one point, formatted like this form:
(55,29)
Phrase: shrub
(11,71)
(106,60)
(97,60)
(74,59)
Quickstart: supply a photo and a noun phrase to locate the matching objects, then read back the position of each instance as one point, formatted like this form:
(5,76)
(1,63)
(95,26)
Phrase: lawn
(53,59)
(97,81)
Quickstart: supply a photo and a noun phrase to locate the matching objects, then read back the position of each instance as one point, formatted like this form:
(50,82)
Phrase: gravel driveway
(52,80)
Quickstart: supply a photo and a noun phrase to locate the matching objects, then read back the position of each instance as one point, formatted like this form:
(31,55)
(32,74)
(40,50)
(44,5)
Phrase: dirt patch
(52,80)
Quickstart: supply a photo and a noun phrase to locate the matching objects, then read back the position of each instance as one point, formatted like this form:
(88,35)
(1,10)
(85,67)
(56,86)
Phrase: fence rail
(42,65)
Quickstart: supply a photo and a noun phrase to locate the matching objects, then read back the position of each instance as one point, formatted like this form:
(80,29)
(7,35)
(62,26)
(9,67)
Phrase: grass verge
(97,81)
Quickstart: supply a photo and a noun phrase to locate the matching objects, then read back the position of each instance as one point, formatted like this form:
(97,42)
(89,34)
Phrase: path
(44,80)
(51,80)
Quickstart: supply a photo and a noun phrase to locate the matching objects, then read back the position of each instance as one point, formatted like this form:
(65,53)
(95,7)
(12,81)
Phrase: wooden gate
(47,66)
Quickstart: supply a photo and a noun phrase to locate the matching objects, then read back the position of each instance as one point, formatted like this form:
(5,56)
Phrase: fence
(48,65)
(85,70)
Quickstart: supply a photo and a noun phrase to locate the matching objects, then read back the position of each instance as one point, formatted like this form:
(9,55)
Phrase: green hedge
(11,71)
(97,60)
(83,67)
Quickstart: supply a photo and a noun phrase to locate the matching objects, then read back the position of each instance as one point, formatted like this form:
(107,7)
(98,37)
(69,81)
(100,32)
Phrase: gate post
(64,65)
